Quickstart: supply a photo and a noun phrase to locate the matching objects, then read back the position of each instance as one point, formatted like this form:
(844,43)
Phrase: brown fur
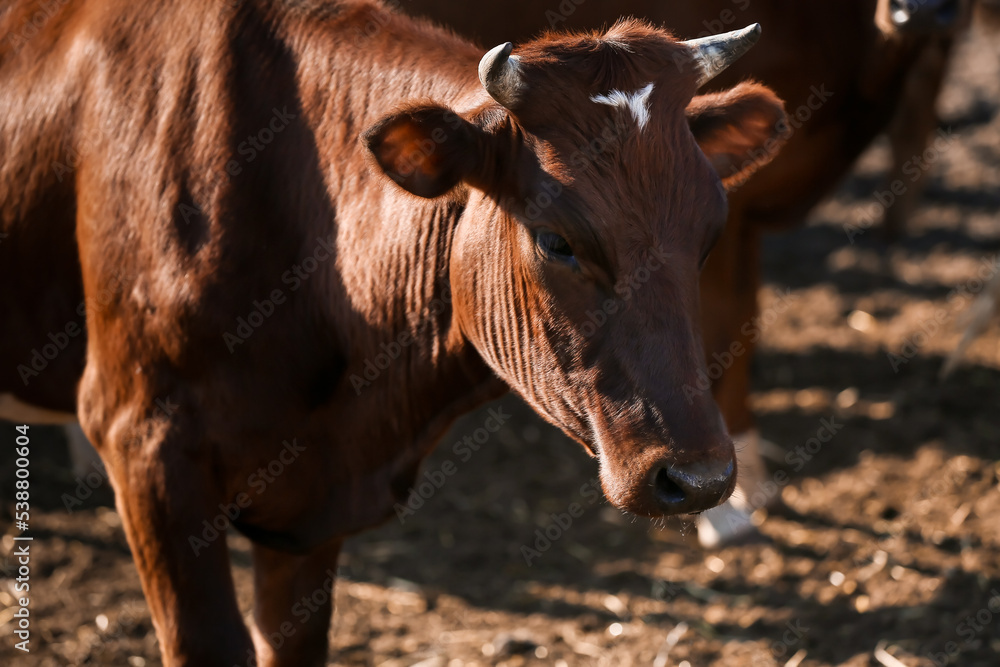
(183,228)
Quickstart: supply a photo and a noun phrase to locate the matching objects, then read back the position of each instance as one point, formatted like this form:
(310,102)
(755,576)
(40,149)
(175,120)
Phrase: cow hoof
(727,525)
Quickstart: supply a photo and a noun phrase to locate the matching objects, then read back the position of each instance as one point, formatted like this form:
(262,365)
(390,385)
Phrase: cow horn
(717,52)
(499,75)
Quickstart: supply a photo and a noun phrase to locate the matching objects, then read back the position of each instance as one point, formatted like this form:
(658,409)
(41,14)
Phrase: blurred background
(879,523)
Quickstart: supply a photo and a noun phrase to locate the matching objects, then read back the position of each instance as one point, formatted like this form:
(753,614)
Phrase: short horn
(717,52)
(498,72)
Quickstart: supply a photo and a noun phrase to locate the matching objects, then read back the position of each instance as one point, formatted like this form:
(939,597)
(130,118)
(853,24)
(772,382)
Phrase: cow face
(594,188)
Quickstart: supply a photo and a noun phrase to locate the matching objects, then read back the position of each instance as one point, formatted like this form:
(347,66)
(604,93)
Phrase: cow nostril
(668,492)
(682,489)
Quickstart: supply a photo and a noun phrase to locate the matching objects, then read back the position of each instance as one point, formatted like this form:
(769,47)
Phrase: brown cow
(841,67)
(276,334)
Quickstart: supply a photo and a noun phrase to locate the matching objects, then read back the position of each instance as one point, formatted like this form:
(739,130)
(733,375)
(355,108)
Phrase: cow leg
(729,304)
(729,286)
(910,132)
(164,491)
(730,522)
(293,605)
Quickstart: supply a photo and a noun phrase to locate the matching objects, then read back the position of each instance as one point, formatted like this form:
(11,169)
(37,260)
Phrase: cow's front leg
(731,330)
(910,137)
(165,490)
(293,604)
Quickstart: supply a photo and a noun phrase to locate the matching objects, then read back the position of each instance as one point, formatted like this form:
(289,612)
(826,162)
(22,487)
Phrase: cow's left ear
(426,149)
(740,129)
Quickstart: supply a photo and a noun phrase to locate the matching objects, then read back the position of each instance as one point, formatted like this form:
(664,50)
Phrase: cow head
(593,181)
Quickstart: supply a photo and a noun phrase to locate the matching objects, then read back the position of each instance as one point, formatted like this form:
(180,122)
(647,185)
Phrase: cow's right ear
(427,150)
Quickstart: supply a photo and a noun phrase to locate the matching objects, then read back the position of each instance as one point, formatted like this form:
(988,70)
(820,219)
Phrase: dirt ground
(886,537)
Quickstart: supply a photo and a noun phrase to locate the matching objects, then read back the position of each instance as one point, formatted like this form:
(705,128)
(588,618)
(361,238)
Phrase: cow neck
(388,287)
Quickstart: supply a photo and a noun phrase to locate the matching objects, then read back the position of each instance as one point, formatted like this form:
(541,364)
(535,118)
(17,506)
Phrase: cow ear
(427,150)
(740,129)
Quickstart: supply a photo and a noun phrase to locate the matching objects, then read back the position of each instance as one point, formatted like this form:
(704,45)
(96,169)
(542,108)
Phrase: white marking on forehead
(618,44)
(637,102)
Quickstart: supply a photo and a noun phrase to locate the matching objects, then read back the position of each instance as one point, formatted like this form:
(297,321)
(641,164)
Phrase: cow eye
(555,247)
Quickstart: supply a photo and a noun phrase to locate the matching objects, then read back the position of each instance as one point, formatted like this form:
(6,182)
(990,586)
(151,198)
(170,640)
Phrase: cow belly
(346,507)
(325,492)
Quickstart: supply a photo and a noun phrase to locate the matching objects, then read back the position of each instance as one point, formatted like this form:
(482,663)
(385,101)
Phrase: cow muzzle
(925,16)
(685,489)
(659,482)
